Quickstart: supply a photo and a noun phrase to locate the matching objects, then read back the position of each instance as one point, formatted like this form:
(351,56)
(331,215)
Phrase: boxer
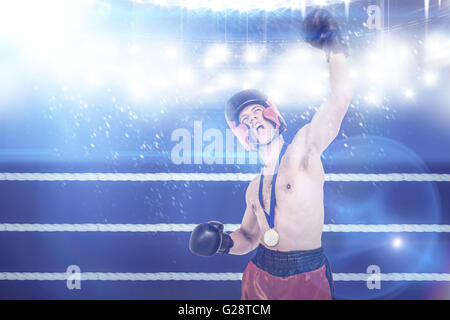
(285,209)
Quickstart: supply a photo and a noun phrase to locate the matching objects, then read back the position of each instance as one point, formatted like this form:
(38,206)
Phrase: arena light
(255,75)
(373,98)
(437,50)
(253,54)
(134,50)
(251,79)
(159,82)
(172,52)
(225,80)
(408,93)
(221,52)
(313,88)
(321,3)
(209,62)
(94,80)
(217,54)
(64,67)
(247,85)
(397,243)
(285,77)
(430,78)
(208,89)
(276,95)
(389,64)
(185,76)
(139,90)
(37,24)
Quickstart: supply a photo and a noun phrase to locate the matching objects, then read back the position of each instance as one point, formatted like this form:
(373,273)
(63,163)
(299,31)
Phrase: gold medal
(271,238)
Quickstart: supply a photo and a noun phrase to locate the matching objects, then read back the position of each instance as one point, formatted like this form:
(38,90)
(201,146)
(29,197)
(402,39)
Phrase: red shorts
(294,275)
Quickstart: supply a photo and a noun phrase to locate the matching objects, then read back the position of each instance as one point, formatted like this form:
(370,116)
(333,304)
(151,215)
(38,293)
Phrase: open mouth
(259,127)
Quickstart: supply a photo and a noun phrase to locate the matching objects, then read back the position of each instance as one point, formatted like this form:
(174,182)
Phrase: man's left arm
(326,123)
(322,31)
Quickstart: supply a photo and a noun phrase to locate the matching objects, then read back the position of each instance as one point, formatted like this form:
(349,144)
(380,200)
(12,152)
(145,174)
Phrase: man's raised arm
(326,123)
(321,30)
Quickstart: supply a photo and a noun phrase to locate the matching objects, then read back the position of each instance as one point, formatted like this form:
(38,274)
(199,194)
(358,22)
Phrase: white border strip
(344,177)
(196,276)
(88,227)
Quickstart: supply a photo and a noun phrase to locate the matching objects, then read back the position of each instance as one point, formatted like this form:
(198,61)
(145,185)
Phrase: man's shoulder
(254,181)
(301,135)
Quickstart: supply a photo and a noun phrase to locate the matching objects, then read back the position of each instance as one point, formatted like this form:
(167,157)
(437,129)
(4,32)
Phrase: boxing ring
(162,234)
(93,205)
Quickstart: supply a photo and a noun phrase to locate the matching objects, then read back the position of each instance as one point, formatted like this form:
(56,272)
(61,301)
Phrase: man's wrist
(226,245)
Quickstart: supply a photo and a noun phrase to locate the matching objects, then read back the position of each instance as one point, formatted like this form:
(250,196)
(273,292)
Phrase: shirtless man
(285,211)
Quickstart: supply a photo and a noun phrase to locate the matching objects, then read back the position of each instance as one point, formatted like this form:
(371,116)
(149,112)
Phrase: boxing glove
(322,31)
(208,238)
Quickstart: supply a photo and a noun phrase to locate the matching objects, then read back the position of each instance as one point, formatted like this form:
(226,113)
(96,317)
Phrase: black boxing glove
(322,31)
(208,238)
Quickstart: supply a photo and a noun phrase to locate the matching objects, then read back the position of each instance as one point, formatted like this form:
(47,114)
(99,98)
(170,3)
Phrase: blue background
(49,124)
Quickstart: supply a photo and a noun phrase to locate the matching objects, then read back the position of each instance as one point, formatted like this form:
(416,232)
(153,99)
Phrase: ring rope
(162,176)
(195,276)
(162,227)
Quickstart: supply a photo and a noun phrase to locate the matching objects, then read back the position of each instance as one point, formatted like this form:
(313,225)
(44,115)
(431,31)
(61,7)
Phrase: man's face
(252,117)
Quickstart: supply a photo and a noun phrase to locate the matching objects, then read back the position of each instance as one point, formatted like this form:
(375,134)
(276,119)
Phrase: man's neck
(270,153)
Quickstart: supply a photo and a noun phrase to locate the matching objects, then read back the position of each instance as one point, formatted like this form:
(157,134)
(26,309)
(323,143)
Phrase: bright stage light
(437,50)
(397,243)
(134,50)
(213,5)
(208,89)
(247,85)
(243,6)
(255,75)
(252,79)
(159,82)
(373,98)
(409,93)
(285,77)
(65,67)
(313,88)
(225,80)
(172,52)
(221,52)
(320,3)
(94,79)
(161,3)
(185,76)
(430,78)
(388,65)
(252,54)
(353,74)
(275,95)
(40,23)
(217,54)
(139,90)
(209,62)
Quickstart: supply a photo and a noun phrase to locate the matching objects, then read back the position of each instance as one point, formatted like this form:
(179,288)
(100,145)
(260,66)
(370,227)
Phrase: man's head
(253,118)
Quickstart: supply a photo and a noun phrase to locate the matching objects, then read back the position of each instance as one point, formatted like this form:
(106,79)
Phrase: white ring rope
(344,177)
(195,276)
(164,276)
(162,227)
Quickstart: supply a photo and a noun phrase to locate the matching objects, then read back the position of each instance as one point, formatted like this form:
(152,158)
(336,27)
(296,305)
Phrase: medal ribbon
(271,218)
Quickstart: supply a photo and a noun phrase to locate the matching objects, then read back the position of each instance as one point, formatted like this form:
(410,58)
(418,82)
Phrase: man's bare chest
(290,187)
